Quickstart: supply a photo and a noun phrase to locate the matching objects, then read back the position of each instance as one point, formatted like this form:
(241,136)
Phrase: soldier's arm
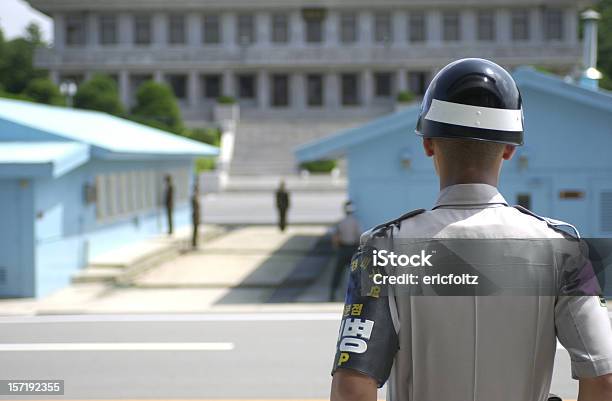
(350,385)
(596,388)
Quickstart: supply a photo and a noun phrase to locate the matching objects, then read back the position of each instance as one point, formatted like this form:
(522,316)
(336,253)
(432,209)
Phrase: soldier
(282,205)
(494,348)
(195,213)
(169,202)
(345,239)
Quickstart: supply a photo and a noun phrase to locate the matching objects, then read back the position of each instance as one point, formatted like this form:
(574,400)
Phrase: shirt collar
(470,195)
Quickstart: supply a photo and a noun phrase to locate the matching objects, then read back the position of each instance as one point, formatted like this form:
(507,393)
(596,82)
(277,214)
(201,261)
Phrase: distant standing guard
(345,239)
(169,202)
(282,205)
(195,213)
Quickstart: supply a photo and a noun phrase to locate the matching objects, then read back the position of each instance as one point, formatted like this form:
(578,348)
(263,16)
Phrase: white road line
(117,347)
(210,317)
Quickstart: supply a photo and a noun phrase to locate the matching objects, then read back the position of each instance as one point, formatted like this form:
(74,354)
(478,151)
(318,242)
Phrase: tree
(16,60)
(43,90)
(99,93)
(604,7)
(156,105)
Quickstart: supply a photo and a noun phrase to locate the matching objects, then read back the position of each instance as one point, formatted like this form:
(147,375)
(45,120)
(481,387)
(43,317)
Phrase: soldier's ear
(428,147)
(509,151)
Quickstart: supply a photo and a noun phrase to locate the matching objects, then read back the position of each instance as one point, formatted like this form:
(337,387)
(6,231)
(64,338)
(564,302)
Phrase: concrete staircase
(264,146)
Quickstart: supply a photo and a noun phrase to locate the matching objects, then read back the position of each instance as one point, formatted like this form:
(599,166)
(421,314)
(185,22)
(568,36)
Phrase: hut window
(571,194)
(524,200)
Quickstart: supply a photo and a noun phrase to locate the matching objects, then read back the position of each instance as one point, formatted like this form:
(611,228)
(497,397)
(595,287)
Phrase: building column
(59,31)
(298,91)
(536,26)
(124,87)
(228,83)
(158,77)
(193,89)
(228,26)
(570,23)
(468,26)
(332,26)
(296,28)
(332,90)
(402,80)
(503,26)
(54,76)
(434,27)
(366,28)
(93,37)
(126,30)
(194,29)
(367,89)
(400,28)
(160,27)
(263,89)
(263,27)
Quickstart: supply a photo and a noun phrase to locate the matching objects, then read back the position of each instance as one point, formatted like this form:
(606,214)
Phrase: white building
(336,61)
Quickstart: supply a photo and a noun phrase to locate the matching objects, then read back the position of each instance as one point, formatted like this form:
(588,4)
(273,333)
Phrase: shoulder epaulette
(552,223)
(381,229)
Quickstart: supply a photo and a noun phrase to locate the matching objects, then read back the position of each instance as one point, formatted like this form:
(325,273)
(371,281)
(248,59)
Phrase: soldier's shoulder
(559,226)
(384,229)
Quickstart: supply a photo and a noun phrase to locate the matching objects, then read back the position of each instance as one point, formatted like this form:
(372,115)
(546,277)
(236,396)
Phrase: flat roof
(41,159)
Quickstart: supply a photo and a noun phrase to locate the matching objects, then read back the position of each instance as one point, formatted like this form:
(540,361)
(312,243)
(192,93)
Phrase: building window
(524,200)
(417,27)
(520,24)
(280,90)
(451,26)
(383,84)
(348,27)
(246,29)
(178,83)
(280,28)
(108,29)
(553,24)
(383,28)
(314,90)
(176,30)
(486,25)
(211,29)
(313,23)
(417,82)
(605,210)
(246,86)
(212,86)
(349,91)
(142,29)
(76,34)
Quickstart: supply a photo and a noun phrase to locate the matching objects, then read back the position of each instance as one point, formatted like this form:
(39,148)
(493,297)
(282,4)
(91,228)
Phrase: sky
(15,15)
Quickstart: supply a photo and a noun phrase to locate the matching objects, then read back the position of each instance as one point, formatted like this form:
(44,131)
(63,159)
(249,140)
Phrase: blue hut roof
(41,159)
(336,145)
(109,136)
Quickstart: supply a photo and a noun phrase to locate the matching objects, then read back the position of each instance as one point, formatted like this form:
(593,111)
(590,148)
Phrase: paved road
(205,356)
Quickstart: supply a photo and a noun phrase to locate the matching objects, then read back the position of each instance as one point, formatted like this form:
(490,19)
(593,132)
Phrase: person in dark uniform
(282,205)
(345,239)
(169,202)
(195,213)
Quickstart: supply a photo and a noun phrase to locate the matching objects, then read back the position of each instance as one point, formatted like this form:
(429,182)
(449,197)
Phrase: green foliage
(156,105)
(224,99)
(43,90)
(15,96)
(604,7)
(204,164)
(16,60)
(211,136)
(405,97)
(319,166)
(99,93)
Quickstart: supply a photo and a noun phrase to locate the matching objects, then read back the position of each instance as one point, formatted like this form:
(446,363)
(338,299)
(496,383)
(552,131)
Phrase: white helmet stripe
(475,116)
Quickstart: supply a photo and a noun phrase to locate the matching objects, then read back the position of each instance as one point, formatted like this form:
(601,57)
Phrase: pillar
(194,29)
(263,89)
(228,26)
(367,87)
(124,87)
(160,28)
(434,27)
(59,31)
(193,88)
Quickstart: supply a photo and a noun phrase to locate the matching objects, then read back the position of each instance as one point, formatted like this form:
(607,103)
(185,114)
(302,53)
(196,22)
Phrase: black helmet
(472,99)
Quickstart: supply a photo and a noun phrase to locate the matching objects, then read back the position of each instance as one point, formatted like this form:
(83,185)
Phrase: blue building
(564,170)
(76,183)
